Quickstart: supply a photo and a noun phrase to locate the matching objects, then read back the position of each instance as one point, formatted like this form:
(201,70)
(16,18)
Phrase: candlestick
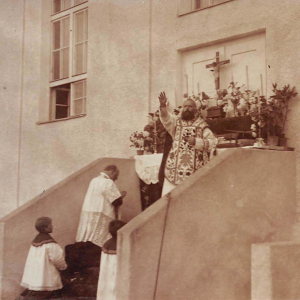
(247,78)
(258,95)
(261,84)
(155,146)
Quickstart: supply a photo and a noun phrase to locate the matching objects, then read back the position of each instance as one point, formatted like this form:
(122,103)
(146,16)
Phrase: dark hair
(111,168)
(42,223)
(114,226)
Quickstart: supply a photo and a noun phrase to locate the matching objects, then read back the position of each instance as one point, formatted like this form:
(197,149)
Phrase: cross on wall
(216,65)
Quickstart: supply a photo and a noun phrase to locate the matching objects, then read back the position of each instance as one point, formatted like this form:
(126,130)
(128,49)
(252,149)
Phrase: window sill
(200,9)
(59,120)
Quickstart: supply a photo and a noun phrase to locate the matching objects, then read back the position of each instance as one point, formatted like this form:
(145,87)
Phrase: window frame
(65,9)
(194,9)
(72,78)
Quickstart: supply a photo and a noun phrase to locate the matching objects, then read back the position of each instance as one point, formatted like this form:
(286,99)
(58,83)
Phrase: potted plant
(270,115)
(137,141)
(278,106)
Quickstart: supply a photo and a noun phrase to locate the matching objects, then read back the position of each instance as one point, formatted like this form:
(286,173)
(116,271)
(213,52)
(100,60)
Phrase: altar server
(45,259)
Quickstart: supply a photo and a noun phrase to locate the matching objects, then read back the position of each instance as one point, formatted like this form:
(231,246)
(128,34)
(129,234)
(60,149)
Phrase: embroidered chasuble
(97,211)
(183,159)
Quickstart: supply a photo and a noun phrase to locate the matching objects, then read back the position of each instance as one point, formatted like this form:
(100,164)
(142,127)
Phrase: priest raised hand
(192,142)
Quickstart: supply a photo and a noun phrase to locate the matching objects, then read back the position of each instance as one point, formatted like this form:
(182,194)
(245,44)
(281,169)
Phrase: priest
(192,142)
(100,207)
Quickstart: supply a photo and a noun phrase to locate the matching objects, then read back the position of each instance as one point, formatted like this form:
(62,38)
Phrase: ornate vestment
(183,159)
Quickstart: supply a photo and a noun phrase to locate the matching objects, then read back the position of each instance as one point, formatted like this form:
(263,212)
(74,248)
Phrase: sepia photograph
(150,149)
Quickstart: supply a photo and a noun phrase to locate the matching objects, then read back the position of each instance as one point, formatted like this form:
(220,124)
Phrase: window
(187,6)
(65,94)
(68,58)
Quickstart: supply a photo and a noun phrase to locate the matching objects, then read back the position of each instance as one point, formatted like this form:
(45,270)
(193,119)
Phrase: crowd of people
(192,141)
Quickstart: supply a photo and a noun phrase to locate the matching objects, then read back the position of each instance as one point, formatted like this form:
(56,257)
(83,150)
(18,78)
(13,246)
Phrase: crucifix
(216,65)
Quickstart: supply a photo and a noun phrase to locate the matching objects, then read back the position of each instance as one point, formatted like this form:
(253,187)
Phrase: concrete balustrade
(200,247)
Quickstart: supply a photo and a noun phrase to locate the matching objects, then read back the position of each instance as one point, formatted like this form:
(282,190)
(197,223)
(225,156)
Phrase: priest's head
(112,171)
(189,110)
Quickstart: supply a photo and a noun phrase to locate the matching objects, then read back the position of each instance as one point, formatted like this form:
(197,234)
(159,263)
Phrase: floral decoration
(138,138)
(269,115)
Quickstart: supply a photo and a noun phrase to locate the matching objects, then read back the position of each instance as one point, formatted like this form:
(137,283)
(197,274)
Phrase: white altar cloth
(147,167)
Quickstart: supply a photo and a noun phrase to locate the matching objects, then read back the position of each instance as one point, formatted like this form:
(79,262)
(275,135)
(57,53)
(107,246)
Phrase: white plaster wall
(117,97)
(10,96)
(134,50)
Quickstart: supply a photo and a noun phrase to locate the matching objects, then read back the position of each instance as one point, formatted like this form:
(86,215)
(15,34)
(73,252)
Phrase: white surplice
(107,278)
(98,211)
(41,268)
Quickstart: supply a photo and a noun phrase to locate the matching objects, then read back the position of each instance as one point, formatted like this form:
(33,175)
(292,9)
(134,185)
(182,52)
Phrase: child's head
(114,226)
(44,225)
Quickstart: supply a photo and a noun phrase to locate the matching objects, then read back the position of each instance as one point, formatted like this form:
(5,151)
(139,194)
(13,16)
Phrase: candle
(261,84)
(247,78)
(187,83)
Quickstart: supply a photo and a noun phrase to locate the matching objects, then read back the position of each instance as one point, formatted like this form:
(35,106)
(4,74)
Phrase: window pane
(61,112)
(84,88)
(62,96)
(86,24)
(56,35)
(204,3)
(66,4)
(79,59)
(79,1)
(79,27)
(65,62)
(56,6)
(56,65)
(79,106)
(219,1)
(65,32)
(79,90)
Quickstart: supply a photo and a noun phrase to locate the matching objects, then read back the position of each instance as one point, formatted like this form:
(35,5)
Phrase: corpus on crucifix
(216,65)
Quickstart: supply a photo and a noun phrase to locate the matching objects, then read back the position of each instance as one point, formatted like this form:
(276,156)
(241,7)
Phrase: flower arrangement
(270,115)
(138,139)
(235,100)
